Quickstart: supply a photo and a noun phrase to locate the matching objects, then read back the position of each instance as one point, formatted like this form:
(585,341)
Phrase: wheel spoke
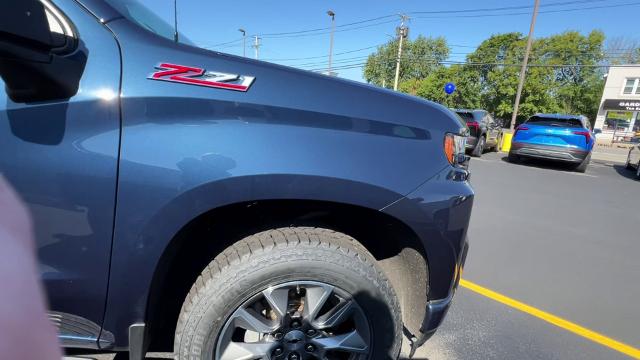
(314,299)
(278,299)
(259,328)
(249,319)
(336,316)
(246,351)
(350,342)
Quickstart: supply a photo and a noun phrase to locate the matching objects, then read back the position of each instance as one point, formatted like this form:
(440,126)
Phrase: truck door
(60,152)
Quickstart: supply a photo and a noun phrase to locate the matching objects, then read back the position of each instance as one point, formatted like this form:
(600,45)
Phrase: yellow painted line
(555,320)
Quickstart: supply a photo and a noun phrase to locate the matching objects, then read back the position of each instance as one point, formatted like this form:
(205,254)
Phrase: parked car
(633,159)
(566,138)
(229,207)
(485,132)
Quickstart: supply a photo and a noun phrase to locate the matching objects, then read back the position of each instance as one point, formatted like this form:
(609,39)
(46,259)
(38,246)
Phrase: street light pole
(244,42)
(523,71)
(402,33)
(333,28)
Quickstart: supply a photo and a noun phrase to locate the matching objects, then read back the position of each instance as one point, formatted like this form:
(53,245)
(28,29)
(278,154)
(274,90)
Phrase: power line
(527,13)
(418,57)
(324,56)
(562,3)
(348,26)
(446,62)
(622,53)
(609,53)
(463,46)
(299,35)
(357,62)
(351,51)
(225,43)
(328,28)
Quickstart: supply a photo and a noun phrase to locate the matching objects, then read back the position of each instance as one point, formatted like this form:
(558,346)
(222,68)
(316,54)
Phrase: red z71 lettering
(197,76)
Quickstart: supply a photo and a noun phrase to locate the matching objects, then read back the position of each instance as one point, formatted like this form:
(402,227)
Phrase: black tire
(582,167)
(638,171)
(513,158)
(628,164)
(280,256)
(479,149)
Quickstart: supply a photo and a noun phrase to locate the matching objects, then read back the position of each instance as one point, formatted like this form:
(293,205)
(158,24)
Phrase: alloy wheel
(296,321)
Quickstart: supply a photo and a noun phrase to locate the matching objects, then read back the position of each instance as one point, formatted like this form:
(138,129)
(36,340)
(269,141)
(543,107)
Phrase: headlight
(454,149)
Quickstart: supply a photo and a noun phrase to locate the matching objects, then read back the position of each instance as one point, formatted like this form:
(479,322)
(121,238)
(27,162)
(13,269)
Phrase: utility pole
(256,46)
(333,29)
(523,71)
(402,33)
(244,42)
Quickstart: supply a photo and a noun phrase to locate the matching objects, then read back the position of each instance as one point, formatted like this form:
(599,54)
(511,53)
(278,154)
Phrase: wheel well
(396,247)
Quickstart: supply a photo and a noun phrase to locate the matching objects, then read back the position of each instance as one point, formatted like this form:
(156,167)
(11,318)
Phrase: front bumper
(438,212)
(437,309)
(549,152)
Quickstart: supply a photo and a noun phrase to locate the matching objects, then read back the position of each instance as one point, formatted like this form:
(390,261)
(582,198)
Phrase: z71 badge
(196,76)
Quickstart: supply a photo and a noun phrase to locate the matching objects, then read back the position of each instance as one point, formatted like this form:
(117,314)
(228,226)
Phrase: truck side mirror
(39,60)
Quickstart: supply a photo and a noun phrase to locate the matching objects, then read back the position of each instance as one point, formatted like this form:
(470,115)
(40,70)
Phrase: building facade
(619,113)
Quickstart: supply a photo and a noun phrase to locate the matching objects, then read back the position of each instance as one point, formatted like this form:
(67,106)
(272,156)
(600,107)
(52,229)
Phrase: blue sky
(211,22)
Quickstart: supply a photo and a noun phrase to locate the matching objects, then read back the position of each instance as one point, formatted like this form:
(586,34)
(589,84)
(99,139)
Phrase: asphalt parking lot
(562,242)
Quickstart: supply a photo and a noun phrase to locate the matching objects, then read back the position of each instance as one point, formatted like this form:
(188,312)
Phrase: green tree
(432,87)
(497,83)
(549,86)
(576,89)
(420,57)
(496,49)
(563,75)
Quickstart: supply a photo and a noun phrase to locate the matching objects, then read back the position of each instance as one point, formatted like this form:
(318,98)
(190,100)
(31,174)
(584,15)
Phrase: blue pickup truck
(220,207)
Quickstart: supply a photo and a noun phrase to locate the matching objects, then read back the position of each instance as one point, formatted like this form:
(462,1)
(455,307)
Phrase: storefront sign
(621,104)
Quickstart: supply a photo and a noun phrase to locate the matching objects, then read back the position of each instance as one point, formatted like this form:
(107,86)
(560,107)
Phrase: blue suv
(220,207)
(566,138)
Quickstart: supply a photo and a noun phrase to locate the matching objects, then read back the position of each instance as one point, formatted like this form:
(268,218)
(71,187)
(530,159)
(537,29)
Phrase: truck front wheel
(291,294)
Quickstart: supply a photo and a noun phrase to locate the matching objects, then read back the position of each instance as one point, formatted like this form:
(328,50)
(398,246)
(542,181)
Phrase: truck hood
(284,87)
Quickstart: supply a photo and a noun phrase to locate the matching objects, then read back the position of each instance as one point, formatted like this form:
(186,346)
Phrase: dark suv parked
(233,208)
(485,132)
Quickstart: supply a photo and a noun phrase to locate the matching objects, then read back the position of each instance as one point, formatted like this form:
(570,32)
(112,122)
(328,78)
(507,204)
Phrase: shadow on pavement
(125,356)
(622,170)
(543,164)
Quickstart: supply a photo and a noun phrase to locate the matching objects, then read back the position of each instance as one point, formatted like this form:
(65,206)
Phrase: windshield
(141,15)
(466,116)
(549,121)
